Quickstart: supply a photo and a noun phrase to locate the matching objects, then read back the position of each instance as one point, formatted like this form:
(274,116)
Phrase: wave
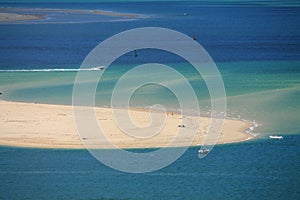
(52,70)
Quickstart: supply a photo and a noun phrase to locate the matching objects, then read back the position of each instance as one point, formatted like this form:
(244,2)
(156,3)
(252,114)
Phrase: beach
(53,126)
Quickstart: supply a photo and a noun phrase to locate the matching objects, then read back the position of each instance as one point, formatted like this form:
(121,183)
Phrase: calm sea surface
(262,169)
(257,50)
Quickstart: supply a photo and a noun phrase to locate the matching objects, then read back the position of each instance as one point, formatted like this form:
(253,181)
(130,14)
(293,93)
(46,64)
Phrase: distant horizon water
(207,2)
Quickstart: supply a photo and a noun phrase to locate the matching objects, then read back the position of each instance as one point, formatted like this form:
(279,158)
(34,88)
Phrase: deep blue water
(228,33)
(261,169)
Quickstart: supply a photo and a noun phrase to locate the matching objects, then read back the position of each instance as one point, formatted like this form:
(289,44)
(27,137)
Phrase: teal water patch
(277,110)
(42,87)
(249,77)
(267,92)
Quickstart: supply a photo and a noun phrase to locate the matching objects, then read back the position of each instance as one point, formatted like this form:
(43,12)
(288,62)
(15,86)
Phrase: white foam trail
(51,70)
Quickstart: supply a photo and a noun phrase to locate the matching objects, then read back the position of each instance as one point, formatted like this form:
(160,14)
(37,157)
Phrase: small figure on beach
(0,93)
(194,38)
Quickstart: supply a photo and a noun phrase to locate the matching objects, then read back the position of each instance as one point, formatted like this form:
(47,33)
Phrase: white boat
(203,151)
(98,68)
(279,137)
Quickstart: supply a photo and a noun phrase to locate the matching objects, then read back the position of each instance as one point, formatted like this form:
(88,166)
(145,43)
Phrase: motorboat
(98,68)
(203,151)
(279,137)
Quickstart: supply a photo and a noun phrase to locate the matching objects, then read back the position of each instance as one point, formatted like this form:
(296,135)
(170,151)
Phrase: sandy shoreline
(11,17)
(53,126)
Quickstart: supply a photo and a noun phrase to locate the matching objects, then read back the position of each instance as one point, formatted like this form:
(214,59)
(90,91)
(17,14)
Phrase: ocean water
(261,169)
(257,51)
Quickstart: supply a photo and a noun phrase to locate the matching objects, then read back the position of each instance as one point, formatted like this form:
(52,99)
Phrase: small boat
(203,151)
(98,68)
(279,137)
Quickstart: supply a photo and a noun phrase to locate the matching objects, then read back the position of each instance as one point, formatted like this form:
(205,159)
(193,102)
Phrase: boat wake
(53,70)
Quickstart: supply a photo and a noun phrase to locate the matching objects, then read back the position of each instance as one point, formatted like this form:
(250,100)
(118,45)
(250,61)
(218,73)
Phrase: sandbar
(13,14)
(53,126)
(11,17)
